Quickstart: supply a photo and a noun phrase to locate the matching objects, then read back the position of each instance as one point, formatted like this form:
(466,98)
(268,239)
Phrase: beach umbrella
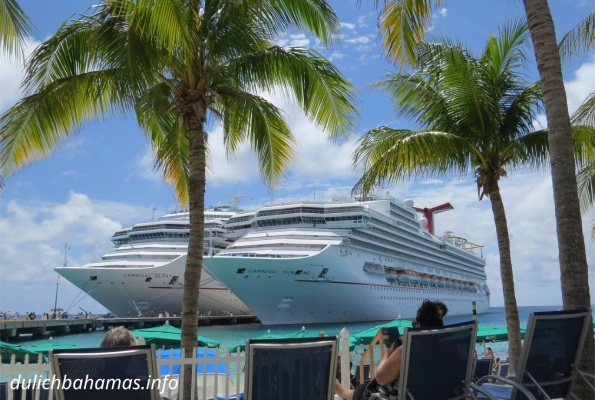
(170,336)
(486,333)
(242,346)
(45,347)
(366,336)
(7,350)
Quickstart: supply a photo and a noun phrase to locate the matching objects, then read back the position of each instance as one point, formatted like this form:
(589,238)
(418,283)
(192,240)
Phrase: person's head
(431,313)
(497,359)
(118,336)
(488,348)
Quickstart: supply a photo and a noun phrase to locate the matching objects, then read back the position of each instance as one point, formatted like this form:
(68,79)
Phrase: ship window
(93,278)
(298,272)
(149,279)
(174,280)
(241,270)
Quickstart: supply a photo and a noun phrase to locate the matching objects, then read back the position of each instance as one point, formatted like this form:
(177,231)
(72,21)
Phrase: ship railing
(213,384)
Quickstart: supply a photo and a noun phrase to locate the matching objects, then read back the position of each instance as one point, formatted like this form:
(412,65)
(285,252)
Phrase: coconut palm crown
(179,65)
(475,115)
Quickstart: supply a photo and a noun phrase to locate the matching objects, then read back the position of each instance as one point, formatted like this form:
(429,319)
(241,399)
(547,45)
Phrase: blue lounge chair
(119,368)
(482,368)
(437,363)
(549,359)
(291,369)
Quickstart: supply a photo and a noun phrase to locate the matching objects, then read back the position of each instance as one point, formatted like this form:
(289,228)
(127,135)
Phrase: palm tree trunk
(196,191)
(571,242)
(510,306)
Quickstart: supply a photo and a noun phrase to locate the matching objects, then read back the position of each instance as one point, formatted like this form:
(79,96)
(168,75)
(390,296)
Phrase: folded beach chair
(115,373)
(482,368)
(549,359)
(437,363)
(291,369)
(366,374)
(503,369)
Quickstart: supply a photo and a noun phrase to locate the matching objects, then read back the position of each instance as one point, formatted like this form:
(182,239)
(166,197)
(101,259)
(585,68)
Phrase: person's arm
(390,366)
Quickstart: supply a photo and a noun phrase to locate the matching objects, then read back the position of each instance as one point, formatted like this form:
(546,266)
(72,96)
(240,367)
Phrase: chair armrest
(521,388)
(487,394)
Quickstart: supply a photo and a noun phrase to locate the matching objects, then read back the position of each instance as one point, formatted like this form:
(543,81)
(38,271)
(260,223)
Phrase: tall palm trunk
(196,191)
(571,245)
(510,305)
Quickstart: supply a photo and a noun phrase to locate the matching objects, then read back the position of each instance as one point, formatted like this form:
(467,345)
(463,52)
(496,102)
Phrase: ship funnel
(428,213)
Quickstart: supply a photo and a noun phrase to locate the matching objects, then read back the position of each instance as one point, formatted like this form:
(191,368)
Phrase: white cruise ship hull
(289,290)
(129,290)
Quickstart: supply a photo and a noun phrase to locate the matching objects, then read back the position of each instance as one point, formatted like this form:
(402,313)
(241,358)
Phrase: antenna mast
(65,254)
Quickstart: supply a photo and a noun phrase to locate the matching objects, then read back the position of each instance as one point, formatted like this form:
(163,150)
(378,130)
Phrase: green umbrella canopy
(366,336)
(44,348)
(486,333)
(170,336)
(7,350)
(297,335)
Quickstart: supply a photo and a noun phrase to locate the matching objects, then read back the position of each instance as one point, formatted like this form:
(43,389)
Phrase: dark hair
(118,336)
(431,313)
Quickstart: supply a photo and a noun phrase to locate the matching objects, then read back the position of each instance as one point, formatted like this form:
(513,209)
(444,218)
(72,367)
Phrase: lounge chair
(366,374)
(503,369)
(437,363)
(482,368)
(291,369)
(130,366)
(549,359)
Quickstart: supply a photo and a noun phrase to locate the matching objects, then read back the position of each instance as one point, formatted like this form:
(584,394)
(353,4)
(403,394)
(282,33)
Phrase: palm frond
(586,185)
(41,123)
(325,95)
(579,39)
(250,118)
(403,24)
(508,51)
(386,156)
(585,115)
(16,27)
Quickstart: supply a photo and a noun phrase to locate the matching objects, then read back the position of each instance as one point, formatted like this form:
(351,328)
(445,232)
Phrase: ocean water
(230,335)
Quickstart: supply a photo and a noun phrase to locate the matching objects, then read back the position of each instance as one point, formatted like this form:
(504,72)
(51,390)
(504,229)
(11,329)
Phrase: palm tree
(179,65)
(475,116)
(403,24)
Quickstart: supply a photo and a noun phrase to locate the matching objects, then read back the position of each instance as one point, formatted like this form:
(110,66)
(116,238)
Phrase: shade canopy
(45,347)
(366,336)
(486,333)
(7,350)
(170,336)
(296,335)
(200,368)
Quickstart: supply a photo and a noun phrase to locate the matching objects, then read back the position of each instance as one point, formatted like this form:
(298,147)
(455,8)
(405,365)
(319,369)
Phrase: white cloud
(33,237)
(299,40)
(359,39)
(581,85)
(361,21)
(11,76)
(363,48)
(443,12)
(144,166)
(347,25)
(336,56)
(71,172)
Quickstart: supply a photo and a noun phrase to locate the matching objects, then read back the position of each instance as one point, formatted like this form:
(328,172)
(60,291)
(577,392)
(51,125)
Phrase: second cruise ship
(347,260)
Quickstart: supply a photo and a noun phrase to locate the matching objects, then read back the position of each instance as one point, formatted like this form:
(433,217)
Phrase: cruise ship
(145,271)
(348,260)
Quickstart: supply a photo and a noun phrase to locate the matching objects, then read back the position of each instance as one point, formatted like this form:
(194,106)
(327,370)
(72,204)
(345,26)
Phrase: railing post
(344,353)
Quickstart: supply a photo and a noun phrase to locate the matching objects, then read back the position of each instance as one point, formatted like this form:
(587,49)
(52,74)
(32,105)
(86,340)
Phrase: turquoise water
(230,335)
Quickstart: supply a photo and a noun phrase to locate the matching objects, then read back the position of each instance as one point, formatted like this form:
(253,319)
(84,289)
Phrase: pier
(13,329)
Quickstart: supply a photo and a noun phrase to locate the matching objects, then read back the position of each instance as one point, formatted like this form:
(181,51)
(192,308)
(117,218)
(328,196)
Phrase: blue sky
(103,179)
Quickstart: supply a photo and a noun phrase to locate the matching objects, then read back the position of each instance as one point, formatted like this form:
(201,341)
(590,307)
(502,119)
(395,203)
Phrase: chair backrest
(3,390)
(503,370)
(437,362)
(291,369)
(552,348)
(483,367)
(106,373)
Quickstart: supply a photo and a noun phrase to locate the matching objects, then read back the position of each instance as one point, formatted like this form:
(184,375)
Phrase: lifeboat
(407,275)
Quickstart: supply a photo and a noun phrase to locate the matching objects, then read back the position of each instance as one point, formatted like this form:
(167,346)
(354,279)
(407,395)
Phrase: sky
(103,179)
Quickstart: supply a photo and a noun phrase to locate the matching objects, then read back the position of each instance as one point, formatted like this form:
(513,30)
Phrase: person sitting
(488,353)
(386,382)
